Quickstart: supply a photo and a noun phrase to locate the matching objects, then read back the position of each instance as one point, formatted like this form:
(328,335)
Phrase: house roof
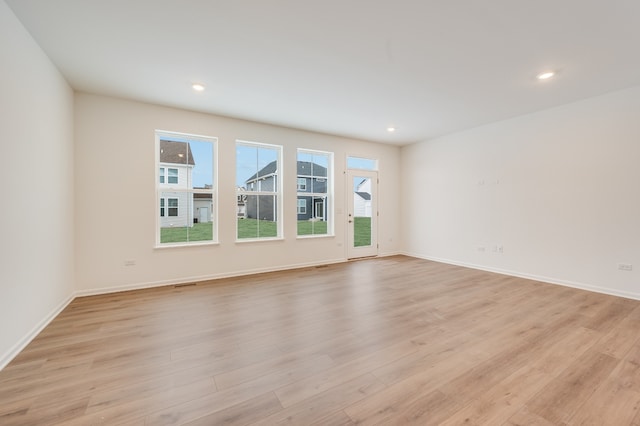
(305,168)
(176,153)
(364,195)
(267,170)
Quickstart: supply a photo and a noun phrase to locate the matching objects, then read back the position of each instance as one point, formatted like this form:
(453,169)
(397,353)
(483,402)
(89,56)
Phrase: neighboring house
(176,168)
(262,207)
(241,210)
(312,178)
(362,199)
(202,206)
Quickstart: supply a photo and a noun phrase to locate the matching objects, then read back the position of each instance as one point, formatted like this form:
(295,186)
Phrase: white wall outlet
(130,262)
(625,266)
(482,249)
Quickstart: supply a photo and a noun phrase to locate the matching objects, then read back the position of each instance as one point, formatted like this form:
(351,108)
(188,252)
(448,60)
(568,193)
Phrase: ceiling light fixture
(546,75)
(198,87)
(391,129)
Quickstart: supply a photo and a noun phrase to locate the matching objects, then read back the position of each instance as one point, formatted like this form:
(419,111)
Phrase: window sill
(258,240)
(314,237)
(180,245)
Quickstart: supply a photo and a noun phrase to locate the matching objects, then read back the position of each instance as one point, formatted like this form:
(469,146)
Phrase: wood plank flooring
(383,341)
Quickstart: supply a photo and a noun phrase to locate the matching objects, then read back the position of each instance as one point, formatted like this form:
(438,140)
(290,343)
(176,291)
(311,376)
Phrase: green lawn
(199,232)
(362,231)
(254,228)
(307,227)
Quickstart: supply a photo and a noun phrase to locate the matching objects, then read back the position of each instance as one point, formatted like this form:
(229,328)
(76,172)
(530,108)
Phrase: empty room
(320,213)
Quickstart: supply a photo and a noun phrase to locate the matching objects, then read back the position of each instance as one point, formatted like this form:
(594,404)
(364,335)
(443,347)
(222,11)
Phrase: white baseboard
(549,280)
(6,358)
(193,279)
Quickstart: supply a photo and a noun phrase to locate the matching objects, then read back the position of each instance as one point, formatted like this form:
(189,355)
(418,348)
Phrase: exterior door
(204,215)
(362,214)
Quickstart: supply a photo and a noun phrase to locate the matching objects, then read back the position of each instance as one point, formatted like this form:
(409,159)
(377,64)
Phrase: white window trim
(328,196)
(186,137)
(277,193)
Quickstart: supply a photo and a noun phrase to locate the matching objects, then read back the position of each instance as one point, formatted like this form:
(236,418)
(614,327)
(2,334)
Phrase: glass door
(362,214)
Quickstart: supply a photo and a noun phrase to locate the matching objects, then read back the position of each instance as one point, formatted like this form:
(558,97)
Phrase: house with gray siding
(311,179)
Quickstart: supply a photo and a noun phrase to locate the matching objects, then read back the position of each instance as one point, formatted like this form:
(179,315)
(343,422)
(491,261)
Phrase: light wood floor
(384,341)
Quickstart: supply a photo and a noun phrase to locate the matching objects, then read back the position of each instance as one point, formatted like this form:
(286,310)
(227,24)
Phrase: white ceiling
(344,67)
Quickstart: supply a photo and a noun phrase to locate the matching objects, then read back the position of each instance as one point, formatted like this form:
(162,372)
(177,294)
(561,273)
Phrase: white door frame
(370,250)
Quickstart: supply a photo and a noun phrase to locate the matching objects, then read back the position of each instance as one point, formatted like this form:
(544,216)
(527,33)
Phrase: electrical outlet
(625,266)
(482,249)
(130,262)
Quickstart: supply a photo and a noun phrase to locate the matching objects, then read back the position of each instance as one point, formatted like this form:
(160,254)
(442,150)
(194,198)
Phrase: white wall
(36,109)
(109,230)
(558,189)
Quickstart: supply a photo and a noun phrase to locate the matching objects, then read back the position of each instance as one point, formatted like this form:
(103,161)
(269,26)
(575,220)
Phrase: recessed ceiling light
(391,129)
(197,87)
(546,75)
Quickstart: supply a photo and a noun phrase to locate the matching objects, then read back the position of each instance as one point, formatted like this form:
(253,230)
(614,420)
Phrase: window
(173,206)
(314,207)
(302,206)
(362,163)
(302,184)
(186,189)
(173,176)
(258,185)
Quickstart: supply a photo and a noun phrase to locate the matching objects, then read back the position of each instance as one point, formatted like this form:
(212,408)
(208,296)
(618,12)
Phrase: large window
(258,190)
(315,186)
(186,189)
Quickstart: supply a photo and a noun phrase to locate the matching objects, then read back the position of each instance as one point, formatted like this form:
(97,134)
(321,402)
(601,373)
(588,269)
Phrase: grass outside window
(186,234)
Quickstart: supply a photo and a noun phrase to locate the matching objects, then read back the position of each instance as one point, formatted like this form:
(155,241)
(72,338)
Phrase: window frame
(256,190)
(162,169)
(328,197)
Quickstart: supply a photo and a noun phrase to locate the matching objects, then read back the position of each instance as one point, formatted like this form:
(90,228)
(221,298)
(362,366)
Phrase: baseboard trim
(549,280)
(195,279)
(7,357)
